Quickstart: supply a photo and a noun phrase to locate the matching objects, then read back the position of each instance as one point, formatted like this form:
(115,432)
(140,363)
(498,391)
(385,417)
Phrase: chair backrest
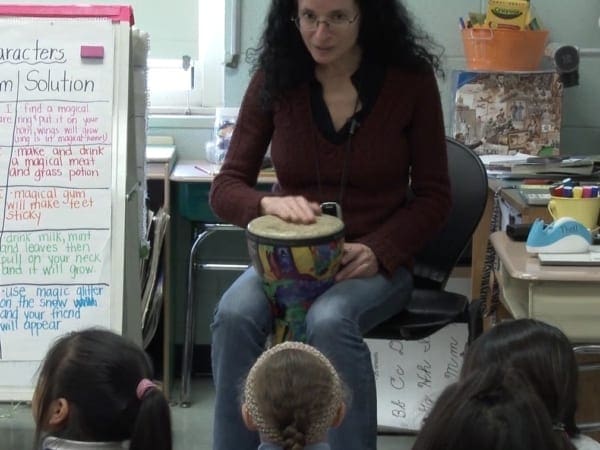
(468,179)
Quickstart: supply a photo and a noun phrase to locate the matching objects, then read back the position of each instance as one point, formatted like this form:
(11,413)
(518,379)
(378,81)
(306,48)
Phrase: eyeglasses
(310,22)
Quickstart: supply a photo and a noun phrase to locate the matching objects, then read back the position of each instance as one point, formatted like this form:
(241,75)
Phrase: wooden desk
(482,232)
(202,171)
(567,297)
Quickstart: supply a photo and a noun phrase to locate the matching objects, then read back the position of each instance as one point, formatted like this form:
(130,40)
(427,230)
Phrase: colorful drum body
(297,263)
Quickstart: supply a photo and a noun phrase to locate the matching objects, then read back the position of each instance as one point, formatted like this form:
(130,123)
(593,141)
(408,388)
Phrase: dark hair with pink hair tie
(124,404)
(144,386)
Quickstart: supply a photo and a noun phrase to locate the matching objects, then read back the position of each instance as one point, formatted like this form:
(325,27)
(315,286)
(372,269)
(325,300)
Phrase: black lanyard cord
(354,124)
(353,127)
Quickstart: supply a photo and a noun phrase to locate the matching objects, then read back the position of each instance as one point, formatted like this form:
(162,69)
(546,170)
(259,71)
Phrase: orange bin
(499,49)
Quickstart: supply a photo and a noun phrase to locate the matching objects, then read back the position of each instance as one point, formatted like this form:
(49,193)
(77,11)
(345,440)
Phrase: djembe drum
(297,263)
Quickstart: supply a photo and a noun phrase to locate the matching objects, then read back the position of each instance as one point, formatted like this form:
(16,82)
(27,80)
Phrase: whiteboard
(63,184)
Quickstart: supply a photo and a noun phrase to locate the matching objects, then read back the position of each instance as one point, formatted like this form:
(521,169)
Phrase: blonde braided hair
(293,394)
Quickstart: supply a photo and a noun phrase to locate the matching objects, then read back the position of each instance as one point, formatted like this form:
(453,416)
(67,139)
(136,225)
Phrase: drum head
(272,228)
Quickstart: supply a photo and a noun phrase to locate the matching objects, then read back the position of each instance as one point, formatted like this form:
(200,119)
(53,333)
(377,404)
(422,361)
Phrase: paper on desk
(575,166)
(499,166)
(508,214)
(496,159)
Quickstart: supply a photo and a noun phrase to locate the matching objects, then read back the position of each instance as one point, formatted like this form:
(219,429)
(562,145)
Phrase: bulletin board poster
(56,120)
(504,113)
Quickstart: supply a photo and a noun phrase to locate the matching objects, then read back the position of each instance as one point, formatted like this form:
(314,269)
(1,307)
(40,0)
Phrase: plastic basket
(497,49)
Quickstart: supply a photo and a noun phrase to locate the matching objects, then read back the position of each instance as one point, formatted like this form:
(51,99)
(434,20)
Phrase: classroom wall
(173,24)
(574,22)
(172,27)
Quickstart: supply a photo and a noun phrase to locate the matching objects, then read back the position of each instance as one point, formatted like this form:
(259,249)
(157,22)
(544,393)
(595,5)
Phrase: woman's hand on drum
(358,261)
(296,209)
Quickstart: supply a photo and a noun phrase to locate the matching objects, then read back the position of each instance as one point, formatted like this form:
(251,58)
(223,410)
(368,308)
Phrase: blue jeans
(335,324)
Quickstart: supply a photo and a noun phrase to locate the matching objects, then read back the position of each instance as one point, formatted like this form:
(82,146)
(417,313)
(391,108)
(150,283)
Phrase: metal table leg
(190,310)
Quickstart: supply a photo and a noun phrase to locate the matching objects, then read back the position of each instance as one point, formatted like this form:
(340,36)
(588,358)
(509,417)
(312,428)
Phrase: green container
(192,200)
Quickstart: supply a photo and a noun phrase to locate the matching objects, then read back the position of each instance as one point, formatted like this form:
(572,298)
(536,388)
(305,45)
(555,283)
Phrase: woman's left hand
(358,261)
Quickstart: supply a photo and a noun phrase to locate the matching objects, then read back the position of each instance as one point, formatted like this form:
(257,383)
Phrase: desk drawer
(574,307)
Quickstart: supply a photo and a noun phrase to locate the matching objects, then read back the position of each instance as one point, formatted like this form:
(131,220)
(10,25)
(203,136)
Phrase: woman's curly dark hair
(387,36)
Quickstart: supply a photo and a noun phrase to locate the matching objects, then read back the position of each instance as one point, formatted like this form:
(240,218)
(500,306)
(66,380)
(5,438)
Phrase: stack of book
(522,165)
(555,165)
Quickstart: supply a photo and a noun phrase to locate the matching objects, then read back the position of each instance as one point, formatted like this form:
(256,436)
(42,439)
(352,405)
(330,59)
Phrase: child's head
(94,386)
(492,409)
(293,395)
(542,353)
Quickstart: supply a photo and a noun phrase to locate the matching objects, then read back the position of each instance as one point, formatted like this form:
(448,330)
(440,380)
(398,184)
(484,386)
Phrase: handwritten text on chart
(33,52)
(47,308)
(55,122)
(29,205)
(58,112)
(75,163)
(48,80)
(70,255)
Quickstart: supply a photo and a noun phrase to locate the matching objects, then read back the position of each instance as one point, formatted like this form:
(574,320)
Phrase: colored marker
(202,169)
(587,192)
(577,192)
(461,23)
(568,192)
(594,191)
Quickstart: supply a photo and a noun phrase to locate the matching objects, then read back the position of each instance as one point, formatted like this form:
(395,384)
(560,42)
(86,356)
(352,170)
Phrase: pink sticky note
(92,51)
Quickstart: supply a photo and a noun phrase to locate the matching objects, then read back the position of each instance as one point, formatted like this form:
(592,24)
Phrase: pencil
(202,169)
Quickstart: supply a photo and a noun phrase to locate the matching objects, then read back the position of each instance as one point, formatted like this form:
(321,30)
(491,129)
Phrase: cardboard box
(509,14)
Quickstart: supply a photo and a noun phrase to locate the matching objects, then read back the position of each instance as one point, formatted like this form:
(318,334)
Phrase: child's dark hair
(544,355)
(293,395)
(491,409)
(98,372)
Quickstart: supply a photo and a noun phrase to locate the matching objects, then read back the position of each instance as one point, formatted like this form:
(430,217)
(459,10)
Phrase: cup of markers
(581,203)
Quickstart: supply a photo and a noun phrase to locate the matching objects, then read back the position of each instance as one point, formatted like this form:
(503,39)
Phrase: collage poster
(508,112)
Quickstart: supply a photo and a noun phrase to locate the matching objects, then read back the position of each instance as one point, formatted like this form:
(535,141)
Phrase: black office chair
(431,306)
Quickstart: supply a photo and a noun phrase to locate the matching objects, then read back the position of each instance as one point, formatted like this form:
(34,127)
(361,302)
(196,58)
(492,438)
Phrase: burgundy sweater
(401,140)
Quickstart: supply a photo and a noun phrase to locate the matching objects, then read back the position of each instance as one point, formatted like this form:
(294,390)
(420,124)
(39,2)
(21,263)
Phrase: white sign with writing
(56,119)
(410,375)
